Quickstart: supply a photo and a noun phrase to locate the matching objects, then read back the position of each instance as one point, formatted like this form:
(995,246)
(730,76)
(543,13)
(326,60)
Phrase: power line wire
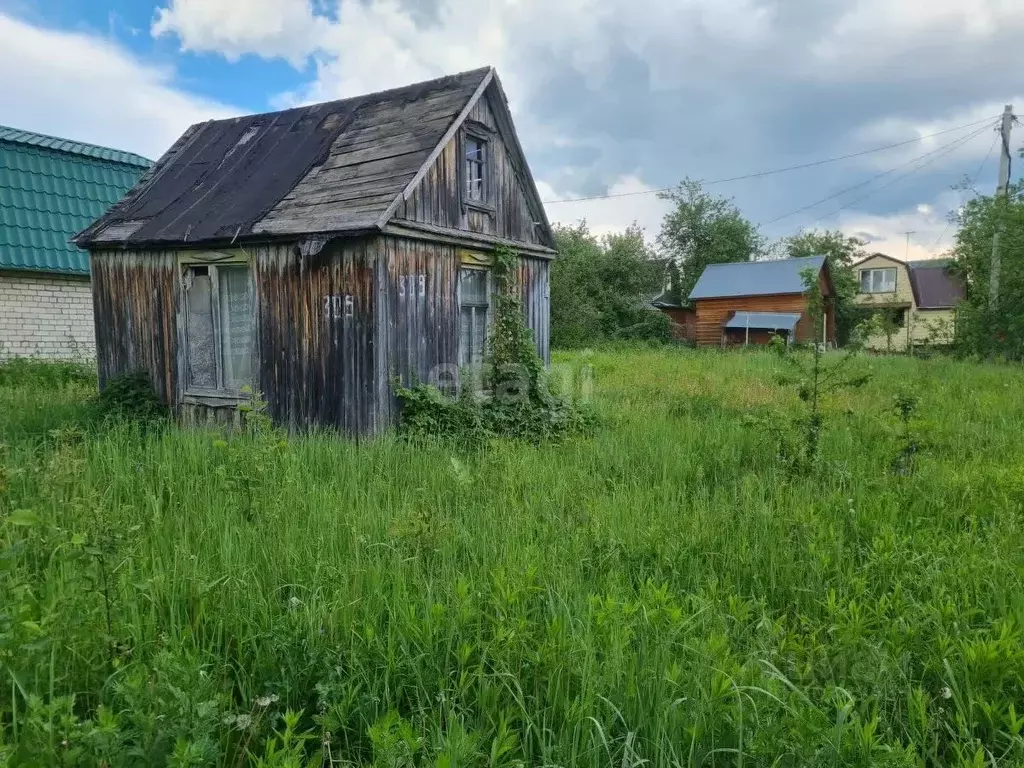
(974,182)
(951,147)
(953,144)
(775,171)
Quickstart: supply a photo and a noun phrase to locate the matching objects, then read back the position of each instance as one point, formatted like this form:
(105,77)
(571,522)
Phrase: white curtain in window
(237,325)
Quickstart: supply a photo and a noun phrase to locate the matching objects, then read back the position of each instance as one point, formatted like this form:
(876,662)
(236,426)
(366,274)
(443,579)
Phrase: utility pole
(1001,192)
(906,255)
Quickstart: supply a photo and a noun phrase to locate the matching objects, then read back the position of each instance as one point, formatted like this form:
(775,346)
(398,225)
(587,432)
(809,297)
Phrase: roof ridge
(762,261)
(71,146)
(388,92)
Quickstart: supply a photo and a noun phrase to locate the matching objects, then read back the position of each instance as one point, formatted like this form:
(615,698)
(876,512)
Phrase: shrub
(131,397)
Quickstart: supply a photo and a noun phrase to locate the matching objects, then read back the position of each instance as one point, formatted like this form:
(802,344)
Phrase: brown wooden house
(684,318)
(314,254)
(750,302)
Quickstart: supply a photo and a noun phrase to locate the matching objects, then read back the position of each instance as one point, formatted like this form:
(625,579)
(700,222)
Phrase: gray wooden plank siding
(417,321)
(316,335)
(533,279)
(135,301)
(437,200)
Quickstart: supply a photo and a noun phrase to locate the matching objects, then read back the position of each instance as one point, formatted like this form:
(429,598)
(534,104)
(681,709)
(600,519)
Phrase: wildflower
(266,701)
(243,722)
(294,603)
(946,693)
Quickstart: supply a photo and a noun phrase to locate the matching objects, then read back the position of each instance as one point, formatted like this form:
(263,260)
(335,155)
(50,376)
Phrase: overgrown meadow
(669,591)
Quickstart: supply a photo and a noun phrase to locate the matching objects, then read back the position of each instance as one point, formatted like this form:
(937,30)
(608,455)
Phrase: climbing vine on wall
(514,397)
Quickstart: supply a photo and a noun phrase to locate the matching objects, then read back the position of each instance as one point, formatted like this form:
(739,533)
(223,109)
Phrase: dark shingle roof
(49,189)
(754,278)
(327,168)
(934,284)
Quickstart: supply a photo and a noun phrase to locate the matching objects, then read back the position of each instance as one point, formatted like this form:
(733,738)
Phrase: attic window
(878,280)
(476,169)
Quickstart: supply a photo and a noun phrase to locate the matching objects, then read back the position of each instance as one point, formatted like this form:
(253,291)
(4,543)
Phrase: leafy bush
(599,287)
(131,397)
(986,326)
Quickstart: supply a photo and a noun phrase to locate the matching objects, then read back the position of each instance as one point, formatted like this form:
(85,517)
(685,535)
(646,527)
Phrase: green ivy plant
(516,398)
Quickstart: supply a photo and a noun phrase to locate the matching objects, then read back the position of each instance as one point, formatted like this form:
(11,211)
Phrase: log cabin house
(750,302)
(317,253)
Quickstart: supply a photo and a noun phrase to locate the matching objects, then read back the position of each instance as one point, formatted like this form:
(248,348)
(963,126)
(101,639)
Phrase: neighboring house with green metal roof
(50,189)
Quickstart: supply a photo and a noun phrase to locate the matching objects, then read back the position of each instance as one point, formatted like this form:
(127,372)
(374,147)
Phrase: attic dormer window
(476,169)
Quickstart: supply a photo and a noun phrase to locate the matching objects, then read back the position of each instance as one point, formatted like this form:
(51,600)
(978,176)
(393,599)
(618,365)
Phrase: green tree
(703,229)
(985,327)
(841,252)
(599,288)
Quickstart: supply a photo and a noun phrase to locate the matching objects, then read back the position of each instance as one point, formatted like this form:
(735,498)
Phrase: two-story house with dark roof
(920,298)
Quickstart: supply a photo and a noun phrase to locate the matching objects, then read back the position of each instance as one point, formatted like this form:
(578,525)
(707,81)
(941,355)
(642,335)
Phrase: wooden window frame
(466,360)
(895,280)
(485,203)
(219,395)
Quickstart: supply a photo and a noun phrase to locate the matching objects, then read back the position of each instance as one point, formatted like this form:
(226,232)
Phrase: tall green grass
(662,593)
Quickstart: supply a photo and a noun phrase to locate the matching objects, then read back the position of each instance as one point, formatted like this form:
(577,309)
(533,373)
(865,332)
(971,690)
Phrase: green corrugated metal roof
(72,147)
(51,189)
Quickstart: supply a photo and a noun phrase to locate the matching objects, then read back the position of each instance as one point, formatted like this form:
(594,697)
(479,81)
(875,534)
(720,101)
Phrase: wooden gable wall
(438,200)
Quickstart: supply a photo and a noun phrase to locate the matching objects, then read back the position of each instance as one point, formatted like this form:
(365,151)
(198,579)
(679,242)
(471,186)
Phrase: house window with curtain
(878,280)
(474,308)
(220,329)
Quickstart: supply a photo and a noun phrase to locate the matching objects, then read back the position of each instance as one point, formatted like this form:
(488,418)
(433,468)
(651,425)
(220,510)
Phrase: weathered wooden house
(750,302)
(318,252)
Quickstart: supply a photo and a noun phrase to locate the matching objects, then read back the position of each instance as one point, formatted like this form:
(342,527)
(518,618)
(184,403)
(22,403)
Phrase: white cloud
(269,28)
(930,235)
(83,87)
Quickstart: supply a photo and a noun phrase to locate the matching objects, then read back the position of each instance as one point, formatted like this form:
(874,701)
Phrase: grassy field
(663,593)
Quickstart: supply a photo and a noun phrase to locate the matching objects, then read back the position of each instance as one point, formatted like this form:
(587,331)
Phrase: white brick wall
(47,316)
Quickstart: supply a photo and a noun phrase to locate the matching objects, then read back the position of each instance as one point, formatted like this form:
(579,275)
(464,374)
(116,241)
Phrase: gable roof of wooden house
(337,168)
(754,278)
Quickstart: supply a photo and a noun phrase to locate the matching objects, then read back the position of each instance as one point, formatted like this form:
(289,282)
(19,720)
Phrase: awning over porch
(763,321)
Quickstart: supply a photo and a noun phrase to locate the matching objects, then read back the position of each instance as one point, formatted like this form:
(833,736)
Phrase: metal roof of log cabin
(341,167)
(754,278)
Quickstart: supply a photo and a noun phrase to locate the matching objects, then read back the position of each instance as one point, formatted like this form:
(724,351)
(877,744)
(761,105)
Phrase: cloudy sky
(610,96)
